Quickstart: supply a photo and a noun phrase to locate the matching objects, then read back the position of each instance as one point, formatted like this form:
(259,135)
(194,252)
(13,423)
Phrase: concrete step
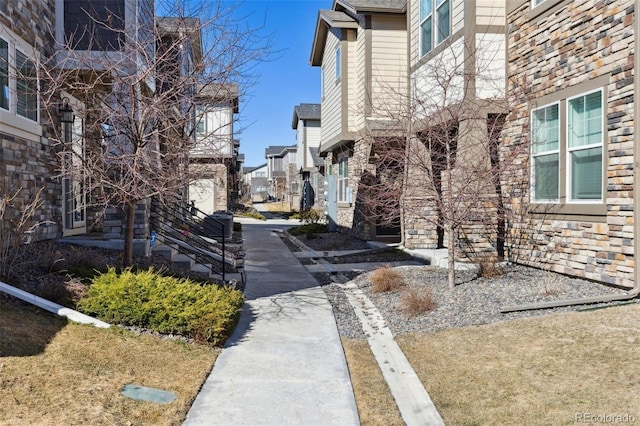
(184,260)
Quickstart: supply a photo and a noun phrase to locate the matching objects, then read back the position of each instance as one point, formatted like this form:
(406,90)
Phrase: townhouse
(571,205)
(309,165)
(361,49)
(213,159)
(282,174)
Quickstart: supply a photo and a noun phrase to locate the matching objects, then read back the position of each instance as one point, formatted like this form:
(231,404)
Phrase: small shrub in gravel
(310,228)
(386,279)
(489,269)
(414,302)
(167,305)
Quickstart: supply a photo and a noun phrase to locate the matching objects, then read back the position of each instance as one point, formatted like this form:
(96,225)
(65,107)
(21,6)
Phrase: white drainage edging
(52,307)
(412,399)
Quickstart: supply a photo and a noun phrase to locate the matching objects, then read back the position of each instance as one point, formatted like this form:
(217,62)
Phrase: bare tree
(437,160)
(136,85)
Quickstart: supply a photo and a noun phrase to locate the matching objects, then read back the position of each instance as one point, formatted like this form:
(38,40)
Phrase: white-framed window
(26,87)
(535,3)
(18,81)
(343,179)
(4,74)
(584,146)
(435,23)
(567,163)
(201,119)
(338,64)
(545,136)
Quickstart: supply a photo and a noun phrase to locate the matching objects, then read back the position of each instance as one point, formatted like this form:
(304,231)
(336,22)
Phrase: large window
(343,180)
(545,128)
(201,117)
(573,155)
(584,140)
(4,74)
(435,23)
(26,87)
(18,81)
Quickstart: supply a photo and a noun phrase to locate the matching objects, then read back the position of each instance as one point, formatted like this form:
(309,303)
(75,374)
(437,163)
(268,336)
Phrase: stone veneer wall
(576,43)
(28,164)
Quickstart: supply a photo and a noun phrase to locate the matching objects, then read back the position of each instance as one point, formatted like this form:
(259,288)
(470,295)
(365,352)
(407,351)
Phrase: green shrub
(310,228)
(237,227)
(167,305)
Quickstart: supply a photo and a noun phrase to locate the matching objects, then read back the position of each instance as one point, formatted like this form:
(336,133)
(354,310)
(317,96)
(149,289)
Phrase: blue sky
(285,81)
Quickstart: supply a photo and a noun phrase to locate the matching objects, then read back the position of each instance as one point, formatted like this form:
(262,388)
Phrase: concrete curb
(412,399)
(47,305)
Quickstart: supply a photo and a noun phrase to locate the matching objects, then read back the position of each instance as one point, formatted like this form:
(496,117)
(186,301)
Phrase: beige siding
(440,82)
(331,103)
(457,15)
(490,12)
(360,80)
(414,31)
(389,65)
(313,141)
(490,65)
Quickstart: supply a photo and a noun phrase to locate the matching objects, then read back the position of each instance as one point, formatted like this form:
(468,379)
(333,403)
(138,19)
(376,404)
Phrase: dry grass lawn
(54,373)
(278,207)
(376,405)
(544,371)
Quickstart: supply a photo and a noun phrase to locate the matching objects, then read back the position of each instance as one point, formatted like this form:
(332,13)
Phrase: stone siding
(573,45)
(29,163)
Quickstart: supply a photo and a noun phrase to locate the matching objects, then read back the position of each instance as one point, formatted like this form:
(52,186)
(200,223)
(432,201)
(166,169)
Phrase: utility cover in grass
(143,393)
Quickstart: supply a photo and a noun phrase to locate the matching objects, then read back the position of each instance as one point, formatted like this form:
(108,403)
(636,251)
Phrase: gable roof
(277,150)
(343,15)
(305,112)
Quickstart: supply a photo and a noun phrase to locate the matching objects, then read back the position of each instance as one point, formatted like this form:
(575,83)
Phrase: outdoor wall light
(66,112)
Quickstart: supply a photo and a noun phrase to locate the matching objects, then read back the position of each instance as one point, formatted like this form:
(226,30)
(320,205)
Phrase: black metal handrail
(188,224)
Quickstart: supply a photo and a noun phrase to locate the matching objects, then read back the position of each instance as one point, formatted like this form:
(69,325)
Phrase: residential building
(255,178)
(571,206)
(213,160)
(457,73)
(281,172)
(361,49)
(309,165)
(28,162)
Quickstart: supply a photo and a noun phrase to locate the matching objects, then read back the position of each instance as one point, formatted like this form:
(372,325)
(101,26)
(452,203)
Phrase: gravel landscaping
(474,301)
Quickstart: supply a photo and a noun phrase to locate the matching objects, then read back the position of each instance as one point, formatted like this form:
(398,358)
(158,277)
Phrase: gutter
(635,290)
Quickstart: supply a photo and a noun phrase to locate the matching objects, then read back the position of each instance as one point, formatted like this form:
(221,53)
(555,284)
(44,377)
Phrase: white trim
(532,179)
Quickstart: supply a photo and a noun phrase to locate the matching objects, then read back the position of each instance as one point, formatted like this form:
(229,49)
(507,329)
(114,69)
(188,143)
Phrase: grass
(546,370)
(376,405)
(54,372)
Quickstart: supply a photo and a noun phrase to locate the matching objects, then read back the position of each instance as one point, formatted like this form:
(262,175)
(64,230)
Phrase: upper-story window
(338,64)
(201,118)
(94,25)
(18,82)
(535,3)
(4,74)
(435,23)
(581,143)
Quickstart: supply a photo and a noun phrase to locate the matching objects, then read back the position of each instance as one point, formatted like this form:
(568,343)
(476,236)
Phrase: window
(201,128)
(26,87)
(338,63)
(434,31)
(343,179)
(18,80)
(535,3)
(579,146)
(584,145)
(545,129)
(4,74)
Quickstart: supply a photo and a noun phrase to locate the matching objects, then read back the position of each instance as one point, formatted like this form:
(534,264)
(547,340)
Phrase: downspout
(635,290)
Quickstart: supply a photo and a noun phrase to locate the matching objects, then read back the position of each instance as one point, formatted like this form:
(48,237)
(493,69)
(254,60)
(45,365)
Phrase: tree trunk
(127,255)
(451,256)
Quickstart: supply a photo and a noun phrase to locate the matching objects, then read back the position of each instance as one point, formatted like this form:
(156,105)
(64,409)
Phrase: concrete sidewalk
(284,363)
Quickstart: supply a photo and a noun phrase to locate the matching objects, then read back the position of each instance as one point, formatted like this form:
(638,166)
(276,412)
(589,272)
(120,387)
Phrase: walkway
(284,363)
